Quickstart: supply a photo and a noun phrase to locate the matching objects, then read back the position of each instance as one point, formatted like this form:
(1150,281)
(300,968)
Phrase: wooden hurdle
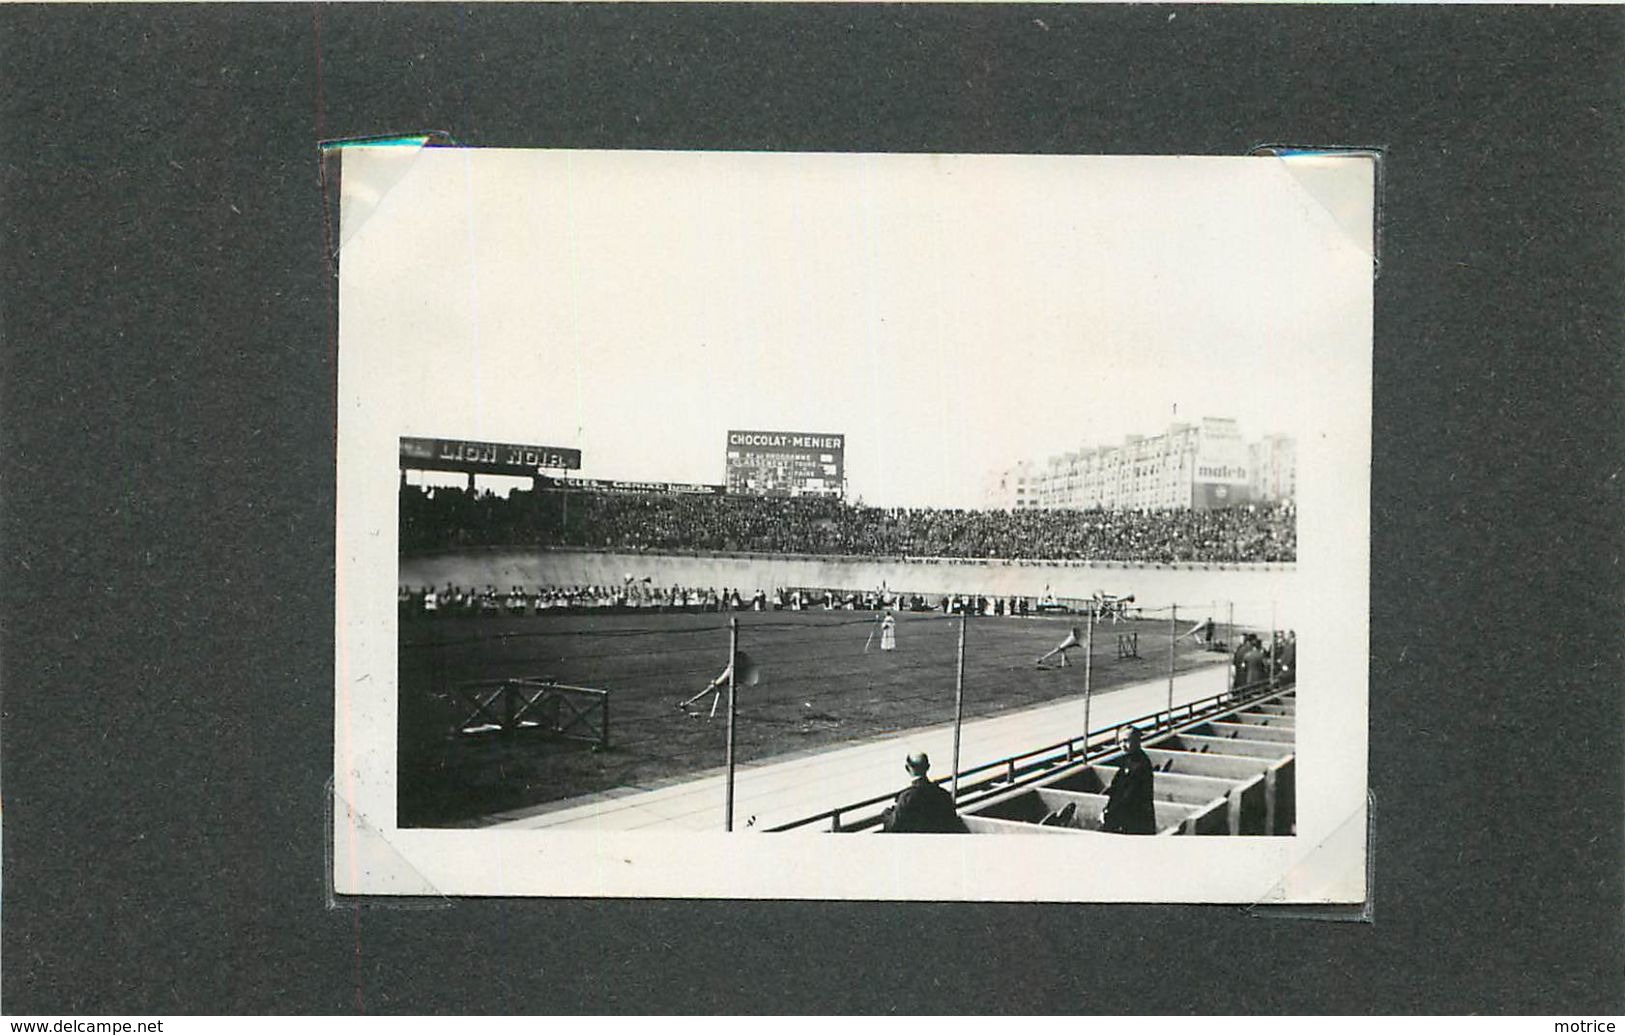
(532,703)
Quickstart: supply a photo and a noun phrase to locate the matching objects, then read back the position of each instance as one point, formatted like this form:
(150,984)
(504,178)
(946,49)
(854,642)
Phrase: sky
(950,315)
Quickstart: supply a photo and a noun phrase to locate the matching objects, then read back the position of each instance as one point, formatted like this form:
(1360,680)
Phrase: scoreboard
(786,463)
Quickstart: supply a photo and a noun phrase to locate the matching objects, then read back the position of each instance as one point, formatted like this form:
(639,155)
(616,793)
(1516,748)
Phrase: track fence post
(1275,647)
(733,658)
(959,702)
(1088,675)
(1173,641)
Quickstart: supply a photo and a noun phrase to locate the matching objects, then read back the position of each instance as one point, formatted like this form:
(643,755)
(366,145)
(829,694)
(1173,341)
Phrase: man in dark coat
(1130,806)
(1288,671)
(1237,667)
(922,807)
(1255,669)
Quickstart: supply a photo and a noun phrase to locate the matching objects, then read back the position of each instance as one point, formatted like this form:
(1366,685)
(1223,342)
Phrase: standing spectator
(1131,804)
(1206,631)
(1254,670)
(1237,665)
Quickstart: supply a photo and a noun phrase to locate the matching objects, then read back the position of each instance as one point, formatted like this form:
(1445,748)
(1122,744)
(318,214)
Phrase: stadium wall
(1250,587)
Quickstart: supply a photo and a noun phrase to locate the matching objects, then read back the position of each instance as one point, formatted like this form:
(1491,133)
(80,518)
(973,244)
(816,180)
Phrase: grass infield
(819,688)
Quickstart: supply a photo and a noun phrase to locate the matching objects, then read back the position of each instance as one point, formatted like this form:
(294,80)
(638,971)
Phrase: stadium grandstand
(656,519)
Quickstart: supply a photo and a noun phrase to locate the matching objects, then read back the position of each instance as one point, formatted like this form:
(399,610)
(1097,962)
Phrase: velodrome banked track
(1223,767)
(1249,591)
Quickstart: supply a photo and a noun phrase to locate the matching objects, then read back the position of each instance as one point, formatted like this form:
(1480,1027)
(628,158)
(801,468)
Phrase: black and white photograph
(926,511)
(702,513)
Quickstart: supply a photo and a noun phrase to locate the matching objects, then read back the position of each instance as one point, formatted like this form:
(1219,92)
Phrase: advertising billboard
(1217,495)
(451,454)
(1222,470)
(786,463)
(608,485)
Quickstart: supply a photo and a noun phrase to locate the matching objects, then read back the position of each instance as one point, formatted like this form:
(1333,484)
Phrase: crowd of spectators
(454,601)
(445,518)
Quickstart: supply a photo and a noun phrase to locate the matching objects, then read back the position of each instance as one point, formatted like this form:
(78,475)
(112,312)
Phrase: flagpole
(1275,648)
(733,665)
(1173,640)
(1230,646)
(1088,689)
(959,701)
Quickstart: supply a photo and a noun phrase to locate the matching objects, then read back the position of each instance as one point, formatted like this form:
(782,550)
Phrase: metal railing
(1000,775)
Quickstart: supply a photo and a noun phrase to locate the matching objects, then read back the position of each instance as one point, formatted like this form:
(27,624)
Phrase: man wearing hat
(1237,668)
(1131,805)
(1254,667)
(1287,669)
(922,807)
